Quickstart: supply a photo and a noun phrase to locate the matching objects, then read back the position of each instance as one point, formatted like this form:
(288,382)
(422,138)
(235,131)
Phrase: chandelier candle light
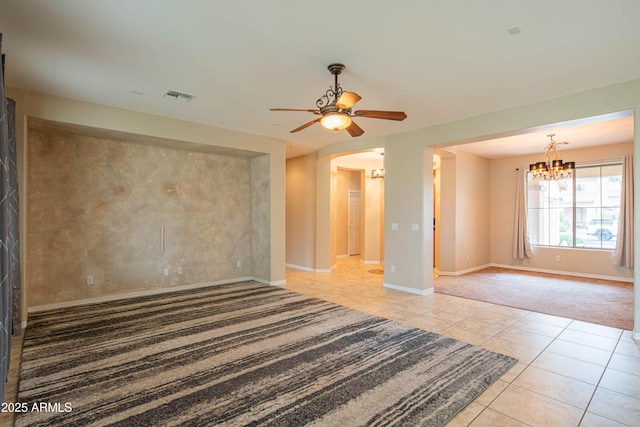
(552,168)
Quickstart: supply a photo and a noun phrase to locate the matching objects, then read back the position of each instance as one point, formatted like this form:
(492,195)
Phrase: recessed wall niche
(122,209)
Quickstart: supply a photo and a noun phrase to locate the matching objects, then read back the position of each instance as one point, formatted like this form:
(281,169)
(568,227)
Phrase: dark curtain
(10,306)
(5,288)
(14,229)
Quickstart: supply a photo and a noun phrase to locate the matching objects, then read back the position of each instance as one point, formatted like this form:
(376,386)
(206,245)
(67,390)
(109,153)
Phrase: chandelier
(551,167)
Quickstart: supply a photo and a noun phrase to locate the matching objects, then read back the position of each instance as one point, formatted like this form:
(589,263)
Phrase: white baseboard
(300,267)
(269,282)
(536,270)
(309,269)
(566,273)
(408,289)
(461,272)
(372,261)
(148,292)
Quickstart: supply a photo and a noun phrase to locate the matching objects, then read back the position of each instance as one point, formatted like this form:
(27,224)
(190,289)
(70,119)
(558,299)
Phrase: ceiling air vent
(178,96)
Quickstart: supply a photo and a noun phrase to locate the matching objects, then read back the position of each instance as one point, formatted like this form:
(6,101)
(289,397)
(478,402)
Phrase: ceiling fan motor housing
(336,69)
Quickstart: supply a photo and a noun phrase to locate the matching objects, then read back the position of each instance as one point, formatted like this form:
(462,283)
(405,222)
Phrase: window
(581,211)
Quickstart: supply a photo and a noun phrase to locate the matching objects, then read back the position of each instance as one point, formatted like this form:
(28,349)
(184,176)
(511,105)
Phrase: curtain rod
(600,162)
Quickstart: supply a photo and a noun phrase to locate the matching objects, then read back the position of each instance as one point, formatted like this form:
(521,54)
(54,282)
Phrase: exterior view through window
(581,211)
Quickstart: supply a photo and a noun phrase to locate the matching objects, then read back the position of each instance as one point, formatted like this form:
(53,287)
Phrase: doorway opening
(357,208)
(475,205)
(354,223)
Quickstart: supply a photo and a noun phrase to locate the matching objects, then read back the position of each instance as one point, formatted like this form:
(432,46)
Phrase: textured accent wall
(260,217)
(99,206)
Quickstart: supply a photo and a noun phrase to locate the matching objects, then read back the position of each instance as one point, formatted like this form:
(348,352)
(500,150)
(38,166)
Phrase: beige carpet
(603,302)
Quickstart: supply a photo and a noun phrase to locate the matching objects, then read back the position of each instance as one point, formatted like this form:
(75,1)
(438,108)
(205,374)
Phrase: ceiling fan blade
(347,99)
(294,109)
(354,130)
(306,125)
(375,114)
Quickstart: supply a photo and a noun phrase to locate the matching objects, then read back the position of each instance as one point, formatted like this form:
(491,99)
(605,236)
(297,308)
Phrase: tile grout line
(508,383)
(511,383)
(604,371)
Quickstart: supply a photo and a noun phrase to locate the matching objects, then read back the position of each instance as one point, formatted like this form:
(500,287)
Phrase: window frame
(574,205)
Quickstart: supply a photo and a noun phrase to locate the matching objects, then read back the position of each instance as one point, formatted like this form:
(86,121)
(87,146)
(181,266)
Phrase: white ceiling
(436,60)
(607,129)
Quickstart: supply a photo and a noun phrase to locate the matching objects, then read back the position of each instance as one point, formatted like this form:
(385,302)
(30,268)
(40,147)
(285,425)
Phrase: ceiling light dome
(336,120)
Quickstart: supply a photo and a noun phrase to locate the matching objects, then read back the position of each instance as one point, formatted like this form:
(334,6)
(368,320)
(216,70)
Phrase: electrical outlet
(180,270)
(89,280)
(558,258)
(393,268)
(166,271)
(238,264)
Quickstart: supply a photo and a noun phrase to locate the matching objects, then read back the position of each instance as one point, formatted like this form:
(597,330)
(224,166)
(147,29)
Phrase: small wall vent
(178,96)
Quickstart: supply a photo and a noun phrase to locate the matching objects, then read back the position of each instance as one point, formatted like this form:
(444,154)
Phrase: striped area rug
(242,354)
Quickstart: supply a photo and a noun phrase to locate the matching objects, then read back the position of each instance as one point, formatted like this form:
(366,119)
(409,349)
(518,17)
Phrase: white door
(354,222)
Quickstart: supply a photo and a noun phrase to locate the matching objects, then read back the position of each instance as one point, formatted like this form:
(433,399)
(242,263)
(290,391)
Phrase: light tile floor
(570,373)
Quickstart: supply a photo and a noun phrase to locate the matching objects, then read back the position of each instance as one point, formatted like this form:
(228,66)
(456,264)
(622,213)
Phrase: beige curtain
(521,245)
(623,255)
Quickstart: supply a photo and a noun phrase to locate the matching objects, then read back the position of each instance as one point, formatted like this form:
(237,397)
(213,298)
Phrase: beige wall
(325,255)
(465,213)
(408,193)
(448,206)
(374,220)
(301,212)
(588,262)
(176,133)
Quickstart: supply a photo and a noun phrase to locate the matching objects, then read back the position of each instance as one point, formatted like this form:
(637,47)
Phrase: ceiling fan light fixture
(334,109)
(336,120)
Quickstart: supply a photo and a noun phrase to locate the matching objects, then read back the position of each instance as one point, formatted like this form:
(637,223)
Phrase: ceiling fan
(334,109)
